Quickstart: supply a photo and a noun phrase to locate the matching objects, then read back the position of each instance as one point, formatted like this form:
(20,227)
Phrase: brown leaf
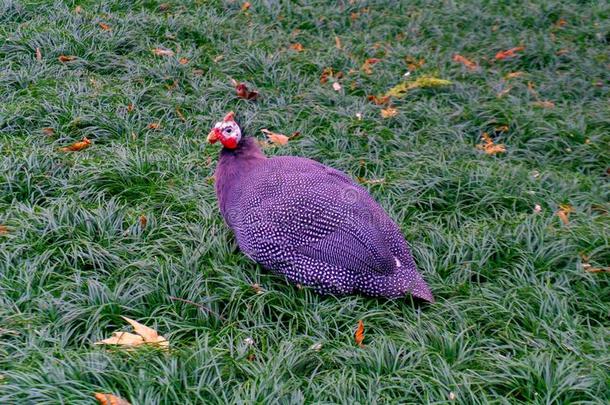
(489,147)
(163,52)
(242,91)
(275,138)
(110,399)
(389,112)
(257,289)
(48,131)
(180,114)
(501,128)
(218,58)
(38,54)
(246,6)
(130,107)
(3,229)
(183,61)
(366,67)
(509,53)
(513,75)
(164,7)
(66,58)
(338,44)
(77,146)
(154,126)
(470,65)
(359,335)
(104,26)
(414,63)
(564,213)
(143,221)
(297,47)
(561,23)
(379,100)
(544,104)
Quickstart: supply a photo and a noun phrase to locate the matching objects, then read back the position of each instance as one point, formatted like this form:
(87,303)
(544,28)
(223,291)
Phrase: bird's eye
(229,130)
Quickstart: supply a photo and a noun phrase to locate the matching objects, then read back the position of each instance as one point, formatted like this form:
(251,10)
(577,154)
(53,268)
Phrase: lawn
(514,244)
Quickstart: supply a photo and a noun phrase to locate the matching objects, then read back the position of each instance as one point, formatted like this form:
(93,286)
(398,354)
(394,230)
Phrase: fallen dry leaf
(104,26)
(504,92)
(48,131)
(389,112)
(76,146)
(561,23)
(338,44)
(143,335)
(414,63)
(501,128)
(109,399)
(544,104)
(78,9)
(513,75)
(359,335)
(564,213)
(66,58)
(366,67)
(246,6)
(275,138)
(381,100)
(38,54)
(363,180)
(180,114)
(143,221)
(3,229)
(470,65)
(154,126)
(163,52)
(422,82)
(489,147)
(130,107)
(257,289)
(297,47)
(242,91)
(328,73)
(336,86)
(183,61)
(509,53)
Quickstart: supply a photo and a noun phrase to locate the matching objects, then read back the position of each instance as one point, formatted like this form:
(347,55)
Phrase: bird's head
(226,131)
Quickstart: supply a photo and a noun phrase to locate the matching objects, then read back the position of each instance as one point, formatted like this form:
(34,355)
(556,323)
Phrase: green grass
(517,319)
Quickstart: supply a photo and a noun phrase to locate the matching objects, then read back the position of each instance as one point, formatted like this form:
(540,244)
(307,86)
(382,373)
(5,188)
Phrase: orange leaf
(359,335)
(183,61)
(389,112)
(3,229)
(48,131)
(76,146)
(466,62)
(379,100)
(246,6)
(143,221)
(154,125)
(275,138)
(104,26)
(66,58)
(366,67)
(561,23)
(297,47)
(109,399)
(414,63)
(509,53)
(564,212)
(489,147)
(130,107)
(163,52)
(38,54)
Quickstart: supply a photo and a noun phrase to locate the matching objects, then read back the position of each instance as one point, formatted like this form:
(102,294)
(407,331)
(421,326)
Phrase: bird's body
(313,224)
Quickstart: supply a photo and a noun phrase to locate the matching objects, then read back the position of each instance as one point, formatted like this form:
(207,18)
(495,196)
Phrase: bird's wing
(312,210)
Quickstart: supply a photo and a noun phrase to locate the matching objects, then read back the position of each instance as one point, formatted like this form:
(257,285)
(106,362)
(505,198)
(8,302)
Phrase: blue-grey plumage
(311,223)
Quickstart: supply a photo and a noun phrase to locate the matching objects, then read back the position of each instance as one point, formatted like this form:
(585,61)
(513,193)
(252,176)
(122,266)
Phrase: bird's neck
(233,166)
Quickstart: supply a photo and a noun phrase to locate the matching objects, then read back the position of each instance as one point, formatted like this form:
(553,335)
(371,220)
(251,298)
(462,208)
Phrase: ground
(129,226)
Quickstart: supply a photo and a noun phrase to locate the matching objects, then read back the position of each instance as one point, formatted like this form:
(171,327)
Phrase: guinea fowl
(310,223)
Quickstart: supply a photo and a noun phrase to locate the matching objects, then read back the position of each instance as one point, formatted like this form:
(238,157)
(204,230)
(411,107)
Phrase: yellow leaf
(109,399)
(275,138)
(122,339)
(143,336)
(389,112)
(148,334)
(422,82)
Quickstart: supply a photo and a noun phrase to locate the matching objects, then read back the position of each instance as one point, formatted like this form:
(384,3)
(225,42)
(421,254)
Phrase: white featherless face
(226,131)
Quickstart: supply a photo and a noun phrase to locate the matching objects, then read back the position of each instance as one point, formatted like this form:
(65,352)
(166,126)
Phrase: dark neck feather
(233,166)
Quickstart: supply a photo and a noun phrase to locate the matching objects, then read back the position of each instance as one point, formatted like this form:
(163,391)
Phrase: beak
(229,117)
(214,135)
